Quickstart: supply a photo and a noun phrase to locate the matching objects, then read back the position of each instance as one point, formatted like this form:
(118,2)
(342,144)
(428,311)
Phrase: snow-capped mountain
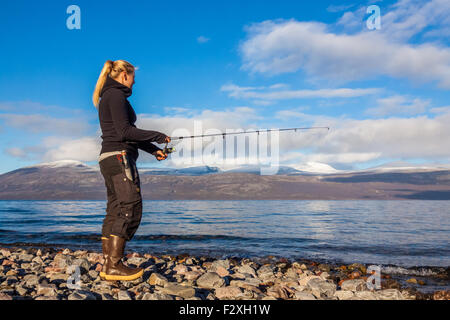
(61,164)
(406,166)
(74,180)
(315,167)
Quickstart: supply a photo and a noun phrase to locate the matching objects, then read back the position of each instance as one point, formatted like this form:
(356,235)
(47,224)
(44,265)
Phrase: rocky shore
(50,274)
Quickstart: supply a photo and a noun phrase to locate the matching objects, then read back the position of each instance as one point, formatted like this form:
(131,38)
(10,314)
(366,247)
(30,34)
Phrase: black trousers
(124,206)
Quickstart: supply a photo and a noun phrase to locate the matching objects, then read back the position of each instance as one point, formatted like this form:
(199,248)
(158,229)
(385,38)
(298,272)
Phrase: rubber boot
(105,249)
(114,268)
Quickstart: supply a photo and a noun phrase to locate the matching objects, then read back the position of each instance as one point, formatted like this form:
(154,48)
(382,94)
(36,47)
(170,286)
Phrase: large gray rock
(157,279)
(210,280)
(227,293)
(246,268)
(389,294)
(320,287)
(365,295)
(46,298)
(178,290)
(31,280)
(157,296)
(354,285)
(344,294)
(301,295)
(62,261)
(137,261)
(220,263)
(81,263)
(5,296)
(124,295)
(265,272)
(82,295)
(26,257)
(48,290)
(21,290)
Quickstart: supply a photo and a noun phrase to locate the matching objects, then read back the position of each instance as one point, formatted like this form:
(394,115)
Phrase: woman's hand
(167,139)
(160,155)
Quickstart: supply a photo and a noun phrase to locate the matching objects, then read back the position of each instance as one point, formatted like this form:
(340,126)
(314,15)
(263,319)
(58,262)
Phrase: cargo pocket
(128,196)
(126,190)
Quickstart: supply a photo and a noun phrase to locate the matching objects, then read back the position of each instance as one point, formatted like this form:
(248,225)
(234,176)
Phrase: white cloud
(31,107)
(408,18)
(266,94)
(276,47)
(231,118)
(397,105)
(342,158)
(16,152)
(202,39)
(37,123)
(337,8)
(351,140)
(445,109)
(83,149)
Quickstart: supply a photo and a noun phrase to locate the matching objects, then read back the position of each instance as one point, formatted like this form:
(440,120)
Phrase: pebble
(124,295)
(344,294)
(4,296)
(442,295)
(300,295)
(227,293)
(320,288)
(178,290)
(210,280)
(157,296)
(265,272)
(81,295)
(157,279)
(46,289)
(354,285)
(389,294)
(42,275)
(246,269)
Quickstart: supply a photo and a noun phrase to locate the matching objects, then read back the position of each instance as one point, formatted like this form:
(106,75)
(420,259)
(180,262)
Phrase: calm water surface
(402,233)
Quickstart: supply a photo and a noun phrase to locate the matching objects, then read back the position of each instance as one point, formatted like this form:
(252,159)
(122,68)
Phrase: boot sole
(122,278)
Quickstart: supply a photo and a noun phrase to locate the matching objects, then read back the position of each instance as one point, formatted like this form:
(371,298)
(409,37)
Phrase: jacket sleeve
(124,129)
(148,147)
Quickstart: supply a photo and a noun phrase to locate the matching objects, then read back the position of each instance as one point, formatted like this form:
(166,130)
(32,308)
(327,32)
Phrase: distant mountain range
(74,180)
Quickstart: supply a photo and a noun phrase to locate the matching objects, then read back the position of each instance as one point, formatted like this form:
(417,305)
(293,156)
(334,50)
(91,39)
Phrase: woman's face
(127,79)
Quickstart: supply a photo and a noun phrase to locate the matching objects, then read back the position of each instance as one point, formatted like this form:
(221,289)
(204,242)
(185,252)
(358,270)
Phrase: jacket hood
(111,83)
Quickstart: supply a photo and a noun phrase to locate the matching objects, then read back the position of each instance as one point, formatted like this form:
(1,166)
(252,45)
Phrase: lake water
(401,233)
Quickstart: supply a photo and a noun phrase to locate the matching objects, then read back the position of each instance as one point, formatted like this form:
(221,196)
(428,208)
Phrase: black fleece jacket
(117,119)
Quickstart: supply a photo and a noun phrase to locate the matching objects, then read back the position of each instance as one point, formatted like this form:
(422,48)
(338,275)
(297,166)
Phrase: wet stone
(82,295)
(157,279)
(210,280)
(157,296)
(354,285)
(178,290)
(124,295)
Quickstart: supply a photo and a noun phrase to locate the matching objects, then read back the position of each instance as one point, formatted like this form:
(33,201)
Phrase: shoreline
(43,274)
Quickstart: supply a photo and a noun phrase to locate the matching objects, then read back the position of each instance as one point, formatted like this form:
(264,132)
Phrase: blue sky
(257,64)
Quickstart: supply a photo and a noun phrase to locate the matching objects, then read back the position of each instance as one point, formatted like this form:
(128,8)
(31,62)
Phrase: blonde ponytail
(101,81)
(112,69)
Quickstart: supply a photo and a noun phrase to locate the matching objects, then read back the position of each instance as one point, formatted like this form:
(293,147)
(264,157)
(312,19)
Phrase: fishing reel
(168,150)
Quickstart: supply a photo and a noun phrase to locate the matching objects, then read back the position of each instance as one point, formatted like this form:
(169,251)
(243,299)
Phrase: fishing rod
(168,150)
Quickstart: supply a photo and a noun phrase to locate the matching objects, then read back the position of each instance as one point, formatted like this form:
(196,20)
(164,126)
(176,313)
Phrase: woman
(118,156)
